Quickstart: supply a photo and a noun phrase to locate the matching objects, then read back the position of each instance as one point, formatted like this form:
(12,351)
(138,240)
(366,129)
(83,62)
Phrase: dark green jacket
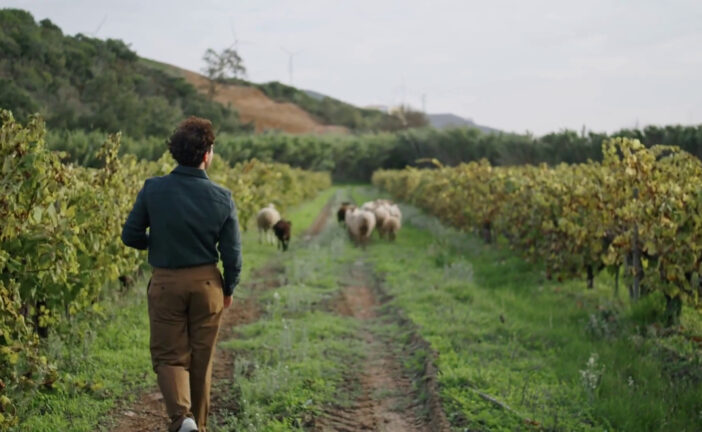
(189,217)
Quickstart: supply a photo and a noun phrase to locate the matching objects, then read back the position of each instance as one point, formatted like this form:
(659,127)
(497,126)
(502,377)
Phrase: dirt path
(319,223)
(386,400)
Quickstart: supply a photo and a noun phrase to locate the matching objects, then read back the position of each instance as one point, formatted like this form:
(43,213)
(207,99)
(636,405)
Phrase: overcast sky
(538,65)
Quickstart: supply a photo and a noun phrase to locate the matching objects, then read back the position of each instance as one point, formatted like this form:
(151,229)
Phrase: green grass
(566,357)
(106,357)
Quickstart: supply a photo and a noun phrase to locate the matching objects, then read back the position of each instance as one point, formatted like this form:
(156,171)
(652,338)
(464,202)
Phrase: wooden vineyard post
(487,232)
(590,277)
(636,257)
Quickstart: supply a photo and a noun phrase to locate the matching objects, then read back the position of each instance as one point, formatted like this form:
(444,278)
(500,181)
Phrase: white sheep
(369,206)
(381,212)
(348,214)
(394,211)
(373,205)
(265,219)
(360,224)
(391,225)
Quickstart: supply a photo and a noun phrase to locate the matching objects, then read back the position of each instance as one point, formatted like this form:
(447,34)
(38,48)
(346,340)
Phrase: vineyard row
(639,210)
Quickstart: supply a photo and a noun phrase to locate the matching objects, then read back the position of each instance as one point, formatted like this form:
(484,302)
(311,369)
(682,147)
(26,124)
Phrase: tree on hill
(409,118)
(220,66)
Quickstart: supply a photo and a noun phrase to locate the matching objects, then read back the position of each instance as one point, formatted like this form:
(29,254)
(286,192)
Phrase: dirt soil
(257,108)
(319,223)
(387,400)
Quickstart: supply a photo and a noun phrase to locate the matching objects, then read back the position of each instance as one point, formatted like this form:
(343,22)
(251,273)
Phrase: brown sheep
(282,232)
(341,213)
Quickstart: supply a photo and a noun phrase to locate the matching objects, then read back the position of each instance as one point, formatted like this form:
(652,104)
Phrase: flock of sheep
(381,214)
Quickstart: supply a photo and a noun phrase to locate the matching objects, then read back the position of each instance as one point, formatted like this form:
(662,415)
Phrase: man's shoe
(188,425)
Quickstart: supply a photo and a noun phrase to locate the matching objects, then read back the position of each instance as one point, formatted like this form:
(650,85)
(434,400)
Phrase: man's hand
(227,301)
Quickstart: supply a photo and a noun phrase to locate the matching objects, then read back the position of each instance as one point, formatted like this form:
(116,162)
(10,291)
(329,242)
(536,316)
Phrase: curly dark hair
(190,141)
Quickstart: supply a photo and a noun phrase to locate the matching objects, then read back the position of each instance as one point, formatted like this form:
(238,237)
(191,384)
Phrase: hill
(277,106)
(79,82)
(253,105)
(315,95)
(83,83)
(447,120)
(329,110)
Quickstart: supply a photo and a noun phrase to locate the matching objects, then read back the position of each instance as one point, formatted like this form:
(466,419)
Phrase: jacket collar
(190,171)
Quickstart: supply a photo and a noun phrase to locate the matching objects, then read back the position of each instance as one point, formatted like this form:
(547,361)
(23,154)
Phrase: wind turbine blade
(100,25)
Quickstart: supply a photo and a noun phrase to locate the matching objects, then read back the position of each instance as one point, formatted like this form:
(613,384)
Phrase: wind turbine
(291,55)
(234,38)
(99,26)
(235,45)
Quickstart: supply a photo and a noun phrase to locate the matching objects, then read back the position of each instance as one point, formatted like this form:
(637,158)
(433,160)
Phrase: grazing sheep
(350,211)
(381,212)
(391,225)
(372,205)
(369,206)
(282,232)
(265,219)
(341,213)
(394,211)
(360,224)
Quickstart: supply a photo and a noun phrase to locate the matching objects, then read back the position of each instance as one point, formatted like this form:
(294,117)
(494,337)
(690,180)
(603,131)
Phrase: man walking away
(189,219)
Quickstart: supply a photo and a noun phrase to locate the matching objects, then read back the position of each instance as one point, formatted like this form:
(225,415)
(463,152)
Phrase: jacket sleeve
(230,250)
(134,230)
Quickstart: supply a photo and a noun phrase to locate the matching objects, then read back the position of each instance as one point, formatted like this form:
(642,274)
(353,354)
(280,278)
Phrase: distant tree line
(355,157)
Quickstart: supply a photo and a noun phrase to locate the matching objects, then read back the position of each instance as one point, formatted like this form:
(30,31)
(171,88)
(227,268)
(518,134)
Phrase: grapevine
(60,237)
(639,209)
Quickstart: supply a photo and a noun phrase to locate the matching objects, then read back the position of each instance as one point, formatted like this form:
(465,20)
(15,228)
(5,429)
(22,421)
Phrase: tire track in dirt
(320,221)
(148,413)
(386,400)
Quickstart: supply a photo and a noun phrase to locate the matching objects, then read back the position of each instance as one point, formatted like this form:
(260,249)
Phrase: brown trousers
(185,306)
